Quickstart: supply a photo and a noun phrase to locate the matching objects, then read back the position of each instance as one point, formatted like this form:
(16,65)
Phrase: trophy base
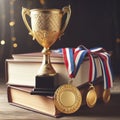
(45,92)
(45,85)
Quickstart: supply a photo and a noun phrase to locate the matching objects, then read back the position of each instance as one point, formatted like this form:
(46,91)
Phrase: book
(22,69)
(35,56)
(20,96)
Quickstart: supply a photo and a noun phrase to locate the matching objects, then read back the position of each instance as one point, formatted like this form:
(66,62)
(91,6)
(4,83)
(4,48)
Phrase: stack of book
(20,77)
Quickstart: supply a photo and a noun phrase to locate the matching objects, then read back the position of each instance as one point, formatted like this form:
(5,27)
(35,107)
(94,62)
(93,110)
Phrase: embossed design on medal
(91,97)
(106,95)
(67,99)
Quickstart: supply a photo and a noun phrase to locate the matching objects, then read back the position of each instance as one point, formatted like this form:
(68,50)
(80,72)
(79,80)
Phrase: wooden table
(110,111)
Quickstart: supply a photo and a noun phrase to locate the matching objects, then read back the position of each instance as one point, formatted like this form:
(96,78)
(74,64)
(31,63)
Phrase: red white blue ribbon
(79,56)
(92,68)
(105,62)
(68,54)
(107,72)
(73,58)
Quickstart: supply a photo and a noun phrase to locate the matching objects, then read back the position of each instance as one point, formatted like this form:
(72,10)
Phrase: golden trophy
(46,27)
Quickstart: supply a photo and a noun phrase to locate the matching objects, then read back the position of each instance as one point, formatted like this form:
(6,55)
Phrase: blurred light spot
(13,38)
(42,2)
(12,23)
(12,2)
(2,42)
(11,12)
(15,45)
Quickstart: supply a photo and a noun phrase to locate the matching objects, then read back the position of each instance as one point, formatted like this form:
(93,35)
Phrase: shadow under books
(111,109)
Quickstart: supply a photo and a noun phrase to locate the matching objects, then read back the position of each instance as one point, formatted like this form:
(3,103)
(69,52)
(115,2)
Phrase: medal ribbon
(79,55)
(107,74)
(73,58)
(92,65)
(69,60)
(105,62)
(92,68)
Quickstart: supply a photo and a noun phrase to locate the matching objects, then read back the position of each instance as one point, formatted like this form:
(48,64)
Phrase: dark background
(93,23)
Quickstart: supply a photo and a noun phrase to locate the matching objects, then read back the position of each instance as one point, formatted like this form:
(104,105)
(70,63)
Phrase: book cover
(22,71)
(38,56)
(21,97)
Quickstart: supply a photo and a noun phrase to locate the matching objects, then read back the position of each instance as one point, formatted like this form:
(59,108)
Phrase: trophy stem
(46,66)
(46,79)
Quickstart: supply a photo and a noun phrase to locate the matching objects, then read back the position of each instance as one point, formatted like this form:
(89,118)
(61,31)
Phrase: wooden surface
(110,111)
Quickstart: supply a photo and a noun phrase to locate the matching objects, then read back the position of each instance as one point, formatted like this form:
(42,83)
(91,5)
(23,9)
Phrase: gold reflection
(42,2)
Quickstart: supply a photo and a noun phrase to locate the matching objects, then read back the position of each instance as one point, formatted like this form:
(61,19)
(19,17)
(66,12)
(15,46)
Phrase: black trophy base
(45,85)
(45,92)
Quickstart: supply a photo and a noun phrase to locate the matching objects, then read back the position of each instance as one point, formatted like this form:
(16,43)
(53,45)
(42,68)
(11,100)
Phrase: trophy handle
(66,10)
(25,12)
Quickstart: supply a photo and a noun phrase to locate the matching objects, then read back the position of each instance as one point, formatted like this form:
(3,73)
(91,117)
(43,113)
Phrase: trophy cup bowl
(46,27)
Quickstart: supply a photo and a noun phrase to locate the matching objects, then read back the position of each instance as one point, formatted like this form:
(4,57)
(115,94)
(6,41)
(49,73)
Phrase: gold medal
(91,97)
(106,96)
(67,99)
